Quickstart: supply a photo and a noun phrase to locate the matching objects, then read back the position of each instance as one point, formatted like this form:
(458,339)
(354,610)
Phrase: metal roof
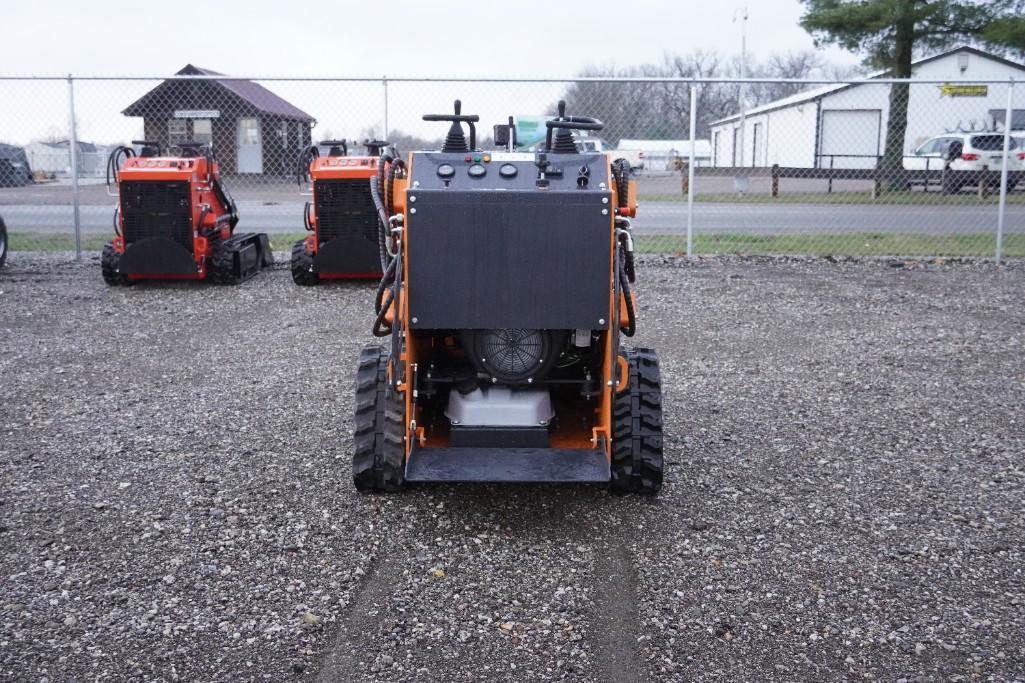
(822,91)
(259,97)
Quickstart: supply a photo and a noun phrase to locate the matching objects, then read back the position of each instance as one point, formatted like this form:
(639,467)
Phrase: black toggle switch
(583,177)
(542,164)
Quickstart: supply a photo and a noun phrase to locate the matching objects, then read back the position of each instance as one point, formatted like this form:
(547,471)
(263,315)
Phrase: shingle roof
(255,94)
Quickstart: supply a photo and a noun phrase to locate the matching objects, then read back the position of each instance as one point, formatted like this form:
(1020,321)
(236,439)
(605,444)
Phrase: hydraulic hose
(628,258)
(387,279)
(113,161)
(302,164)
(624,282)
(306,217)
(382,220)
(384,298)
(220,189)
(394,167)
(383,163)
(380,330)
(202,219)
(621,174)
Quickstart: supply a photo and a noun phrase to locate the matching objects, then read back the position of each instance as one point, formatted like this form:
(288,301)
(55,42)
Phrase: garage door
(850,138)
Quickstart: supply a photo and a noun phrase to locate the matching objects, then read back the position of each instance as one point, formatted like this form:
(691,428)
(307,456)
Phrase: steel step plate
(508,465)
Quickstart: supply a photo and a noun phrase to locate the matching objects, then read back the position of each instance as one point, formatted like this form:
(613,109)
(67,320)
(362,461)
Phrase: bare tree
(792,64)
(661,110)
(624,107)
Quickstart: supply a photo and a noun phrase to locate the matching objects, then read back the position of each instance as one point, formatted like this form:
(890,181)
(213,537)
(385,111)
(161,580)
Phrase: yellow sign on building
(963,90)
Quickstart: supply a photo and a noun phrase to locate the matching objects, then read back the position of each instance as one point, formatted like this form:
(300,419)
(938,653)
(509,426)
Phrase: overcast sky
(394,37)
(347,39)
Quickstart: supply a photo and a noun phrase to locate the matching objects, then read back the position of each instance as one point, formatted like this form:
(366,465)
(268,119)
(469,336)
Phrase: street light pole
(742,11)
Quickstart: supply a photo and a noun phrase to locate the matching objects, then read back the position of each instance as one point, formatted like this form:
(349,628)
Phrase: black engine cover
(509,259)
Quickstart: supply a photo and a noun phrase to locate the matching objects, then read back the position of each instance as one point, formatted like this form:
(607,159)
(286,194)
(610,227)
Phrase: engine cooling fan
(513,356)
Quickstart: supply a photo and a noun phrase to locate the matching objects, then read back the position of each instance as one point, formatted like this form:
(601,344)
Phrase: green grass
(903,198)
(847,244)
(819,244)
(34,241)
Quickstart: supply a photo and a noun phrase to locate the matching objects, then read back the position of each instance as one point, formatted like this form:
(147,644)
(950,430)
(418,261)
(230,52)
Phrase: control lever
(376,148)
(542,163)
(149,148)
(564,124)
(455,142)
(337,148)
(505,135)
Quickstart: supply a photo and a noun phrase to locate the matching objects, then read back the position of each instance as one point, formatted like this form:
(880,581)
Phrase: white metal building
(53,159)
(844,126)
(660,155)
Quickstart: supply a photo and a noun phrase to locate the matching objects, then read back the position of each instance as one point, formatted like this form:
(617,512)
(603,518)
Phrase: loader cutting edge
(507,290)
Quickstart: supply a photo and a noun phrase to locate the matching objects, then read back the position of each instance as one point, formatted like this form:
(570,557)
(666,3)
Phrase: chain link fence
(872,167)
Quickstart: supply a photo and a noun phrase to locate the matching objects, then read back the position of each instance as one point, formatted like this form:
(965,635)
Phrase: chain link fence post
(1006,161)
(73,149)
(384,82)
(860,202)
(690,171)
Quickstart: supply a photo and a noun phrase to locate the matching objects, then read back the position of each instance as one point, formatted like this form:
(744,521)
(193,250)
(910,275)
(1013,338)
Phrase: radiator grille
(156,209)
(345,209)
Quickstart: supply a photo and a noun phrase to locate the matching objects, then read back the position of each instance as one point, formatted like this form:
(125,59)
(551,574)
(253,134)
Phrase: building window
(284,134)
(177,131)
(202,131)
(249,131)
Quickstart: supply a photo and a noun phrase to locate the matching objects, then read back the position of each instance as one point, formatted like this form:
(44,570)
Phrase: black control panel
(461,171)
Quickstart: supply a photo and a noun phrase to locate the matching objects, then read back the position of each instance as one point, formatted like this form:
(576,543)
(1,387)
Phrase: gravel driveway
(845,491)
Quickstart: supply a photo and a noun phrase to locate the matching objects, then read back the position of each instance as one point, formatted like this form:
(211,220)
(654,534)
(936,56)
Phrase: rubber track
(302,265)
(219,267)
(637,427)
(378,460)
(108,266)
(6,244)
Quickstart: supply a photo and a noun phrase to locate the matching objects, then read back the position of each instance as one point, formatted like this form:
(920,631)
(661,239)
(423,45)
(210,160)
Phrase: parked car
(584,144)
(967,153)
(14,168)
(587,144)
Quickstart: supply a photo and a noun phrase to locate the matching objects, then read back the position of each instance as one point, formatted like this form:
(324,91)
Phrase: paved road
(655,218)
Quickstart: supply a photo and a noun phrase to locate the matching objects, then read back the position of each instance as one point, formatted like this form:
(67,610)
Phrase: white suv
(968,152)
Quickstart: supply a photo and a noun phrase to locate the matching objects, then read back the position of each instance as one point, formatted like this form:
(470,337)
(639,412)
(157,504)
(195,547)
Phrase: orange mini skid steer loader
(342,216)
(505,300)
(175,220)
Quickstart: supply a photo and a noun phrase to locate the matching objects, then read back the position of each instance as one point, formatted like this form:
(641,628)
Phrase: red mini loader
(175,220)
(342,216)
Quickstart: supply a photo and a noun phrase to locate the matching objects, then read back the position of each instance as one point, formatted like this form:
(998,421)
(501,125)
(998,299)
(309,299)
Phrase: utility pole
(742,12)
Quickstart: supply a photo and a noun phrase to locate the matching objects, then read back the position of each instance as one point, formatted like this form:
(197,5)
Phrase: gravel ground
(844,497)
